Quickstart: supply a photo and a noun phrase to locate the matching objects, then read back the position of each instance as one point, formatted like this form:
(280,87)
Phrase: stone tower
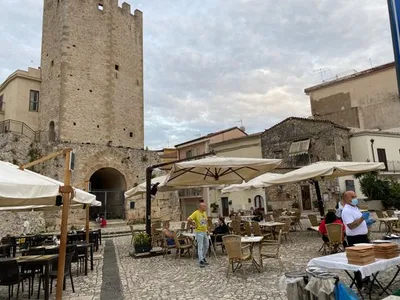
(92,73)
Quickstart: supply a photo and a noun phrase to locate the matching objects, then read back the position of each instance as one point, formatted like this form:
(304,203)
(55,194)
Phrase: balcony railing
(392,166)
(193,192)
(21,128)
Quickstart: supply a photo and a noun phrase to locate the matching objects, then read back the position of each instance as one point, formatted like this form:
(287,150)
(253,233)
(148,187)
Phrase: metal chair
(10,276)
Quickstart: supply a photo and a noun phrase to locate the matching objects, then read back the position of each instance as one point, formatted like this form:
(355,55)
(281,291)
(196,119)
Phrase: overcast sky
(211,63)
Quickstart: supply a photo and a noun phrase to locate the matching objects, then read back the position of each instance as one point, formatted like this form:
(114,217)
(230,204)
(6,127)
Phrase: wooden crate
(360,255)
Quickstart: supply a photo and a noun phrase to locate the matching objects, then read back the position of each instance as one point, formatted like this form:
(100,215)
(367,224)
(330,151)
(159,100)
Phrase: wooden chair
(313,220)
(286,230)
(335,236)
(381,215)
(270,249)
(183,226)
(390,213)
(210,224)
(236,254)
(297,220)
(183,246)
(236,228)
(267,218)
(257,230)
(156,236)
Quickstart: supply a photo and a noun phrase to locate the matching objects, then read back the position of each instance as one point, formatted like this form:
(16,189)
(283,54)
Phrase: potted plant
(296,204)
(315,204)
(214,208)
(142,242)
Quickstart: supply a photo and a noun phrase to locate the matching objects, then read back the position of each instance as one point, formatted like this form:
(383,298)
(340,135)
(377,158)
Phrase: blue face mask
(354,201)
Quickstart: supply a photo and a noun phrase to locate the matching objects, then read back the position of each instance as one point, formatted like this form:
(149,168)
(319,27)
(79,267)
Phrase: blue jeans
(202,245)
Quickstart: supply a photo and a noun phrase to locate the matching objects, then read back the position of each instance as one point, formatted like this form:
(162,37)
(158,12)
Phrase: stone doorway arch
(109,185)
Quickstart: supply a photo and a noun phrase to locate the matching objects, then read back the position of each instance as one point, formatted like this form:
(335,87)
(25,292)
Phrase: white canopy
(141,188)
(95,203)
(24,188)
(216,170)
(326,169)
(254,183)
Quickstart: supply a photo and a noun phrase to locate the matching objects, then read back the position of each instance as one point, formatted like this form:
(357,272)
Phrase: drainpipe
(372,148)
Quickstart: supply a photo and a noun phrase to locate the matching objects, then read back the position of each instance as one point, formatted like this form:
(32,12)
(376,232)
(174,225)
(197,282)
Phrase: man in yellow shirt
(199,219)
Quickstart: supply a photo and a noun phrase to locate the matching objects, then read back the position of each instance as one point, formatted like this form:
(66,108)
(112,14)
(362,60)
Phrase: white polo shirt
(349,215)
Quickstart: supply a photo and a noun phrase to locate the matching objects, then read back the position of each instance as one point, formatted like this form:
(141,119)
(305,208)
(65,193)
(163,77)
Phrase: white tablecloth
(339,262)
(251,239)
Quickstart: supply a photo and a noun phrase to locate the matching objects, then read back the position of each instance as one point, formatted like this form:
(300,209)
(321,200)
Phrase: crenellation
(126,7)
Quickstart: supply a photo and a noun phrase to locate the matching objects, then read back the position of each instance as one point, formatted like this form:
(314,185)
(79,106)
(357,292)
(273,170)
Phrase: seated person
(103,222)
(169,234)
(221,228)
(330,218)
(258,215)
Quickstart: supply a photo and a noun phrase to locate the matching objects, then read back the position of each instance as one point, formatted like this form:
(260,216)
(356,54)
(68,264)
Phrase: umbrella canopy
(217,170)
(24,188)
(141,188)
(254,183)
(95,203)
(326,169)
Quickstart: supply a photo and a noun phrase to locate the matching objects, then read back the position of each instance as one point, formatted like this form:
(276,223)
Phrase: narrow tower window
(100,7)
(116,67)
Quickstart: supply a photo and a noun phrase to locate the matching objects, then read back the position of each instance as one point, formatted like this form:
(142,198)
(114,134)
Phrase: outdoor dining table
(339,261)
(46,261)
(86,246)
(272,225)
(389,223)
(253,240)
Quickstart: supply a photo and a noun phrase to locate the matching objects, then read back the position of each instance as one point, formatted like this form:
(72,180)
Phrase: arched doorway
(52,133)
(258,202)
(108,184)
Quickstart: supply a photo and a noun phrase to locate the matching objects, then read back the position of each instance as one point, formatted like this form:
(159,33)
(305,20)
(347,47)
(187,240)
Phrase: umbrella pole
(87,216)
(149,172)
(66,191)
(319,198)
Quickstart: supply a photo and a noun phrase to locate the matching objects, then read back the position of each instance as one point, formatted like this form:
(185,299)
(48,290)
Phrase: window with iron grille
(34,100)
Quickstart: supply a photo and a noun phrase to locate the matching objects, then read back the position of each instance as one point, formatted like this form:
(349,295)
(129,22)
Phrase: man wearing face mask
(356,227)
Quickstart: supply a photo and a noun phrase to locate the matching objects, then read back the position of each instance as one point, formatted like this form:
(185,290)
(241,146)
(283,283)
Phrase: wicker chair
(381,215)
(335,236)
(236,255)
(313,220)
(166,248)
(286,230)
(182,248)
(183,226)
(236,227)
(247,228)
(10,276)
(270,249)
(156,236)
(390,213)
(210,224)
(267,218)
(297,220)
(257,230)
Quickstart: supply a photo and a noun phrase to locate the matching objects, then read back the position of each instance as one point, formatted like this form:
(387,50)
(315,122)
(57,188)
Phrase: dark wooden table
(46,261)
(5,248)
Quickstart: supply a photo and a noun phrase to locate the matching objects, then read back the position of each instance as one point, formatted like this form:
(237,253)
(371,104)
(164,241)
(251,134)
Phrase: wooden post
(66,192)
(87,214)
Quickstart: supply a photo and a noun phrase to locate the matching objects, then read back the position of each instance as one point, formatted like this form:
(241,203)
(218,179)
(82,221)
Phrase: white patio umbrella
(95,203)
(254,183)
(216,170)
(326,169)
(141,188)
(24,188)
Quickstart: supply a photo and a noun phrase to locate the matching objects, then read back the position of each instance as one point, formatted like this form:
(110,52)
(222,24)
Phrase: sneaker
(205,262)
(202,264)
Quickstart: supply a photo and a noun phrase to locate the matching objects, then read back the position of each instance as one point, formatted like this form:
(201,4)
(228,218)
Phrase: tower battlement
(92,72)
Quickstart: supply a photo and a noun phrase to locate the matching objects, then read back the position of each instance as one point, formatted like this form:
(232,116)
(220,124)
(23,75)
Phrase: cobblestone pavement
(169,278)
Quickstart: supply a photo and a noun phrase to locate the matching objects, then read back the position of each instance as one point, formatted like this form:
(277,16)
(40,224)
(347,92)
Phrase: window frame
(34,105)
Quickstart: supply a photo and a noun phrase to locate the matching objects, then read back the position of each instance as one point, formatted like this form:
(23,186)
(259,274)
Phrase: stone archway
(108,184)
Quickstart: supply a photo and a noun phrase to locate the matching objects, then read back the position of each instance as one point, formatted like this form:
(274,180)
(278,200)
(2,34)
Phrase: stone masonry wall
(92,72)
(131,163)
(328,142)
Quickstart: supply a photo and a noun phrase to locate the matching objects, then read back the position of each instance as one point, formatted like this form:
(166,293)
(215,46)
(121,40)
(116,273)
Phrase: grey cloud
(210,63)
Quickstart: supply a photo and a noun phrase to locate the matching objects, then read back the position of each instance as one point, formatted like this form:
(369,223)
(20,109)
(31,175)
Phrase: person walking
(199,220)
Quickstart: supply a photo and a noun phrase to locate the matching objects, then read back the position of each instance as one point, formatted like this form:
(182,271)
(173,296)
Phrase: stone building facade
(300,142)
(368,99)
(91,100)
